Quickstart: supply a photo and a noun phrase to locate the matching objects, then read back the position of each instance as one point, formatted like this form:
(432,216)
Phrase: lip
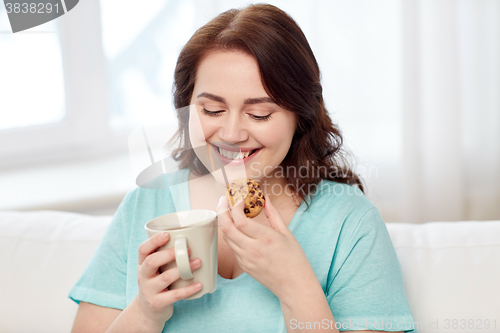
(228,161)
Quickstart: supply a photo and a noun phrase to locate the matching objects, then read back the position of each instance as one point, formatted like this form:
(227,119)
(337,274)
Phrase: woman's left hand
(270,254)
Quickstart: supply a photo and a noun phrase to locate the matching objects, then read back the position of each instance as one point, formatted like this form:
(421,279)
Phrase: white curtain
(415,86)
(451,111)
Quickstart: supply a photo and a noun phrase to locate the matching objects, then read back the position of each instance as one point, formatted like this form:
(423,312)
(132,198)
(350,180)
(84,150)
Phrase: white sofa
(451,271)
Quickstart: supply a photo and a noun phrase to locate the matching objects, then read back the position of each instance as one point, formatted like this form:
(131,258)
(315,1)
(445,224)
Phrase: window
(54,99)
(22,55)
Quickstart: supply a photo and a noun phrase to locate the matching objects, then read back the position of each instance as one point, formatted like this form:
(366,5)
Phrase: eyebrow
(246,101)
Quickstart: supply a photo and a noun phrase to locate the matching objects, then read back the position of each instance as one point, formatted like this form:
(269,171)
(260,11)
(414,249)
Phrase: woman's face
(239,120)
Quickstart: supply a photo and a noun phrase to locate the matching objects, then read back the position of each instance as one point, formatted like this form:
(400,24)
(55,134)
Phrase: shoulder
(345,210)
(335,206)
(338,198)
(156,199)
(358,217)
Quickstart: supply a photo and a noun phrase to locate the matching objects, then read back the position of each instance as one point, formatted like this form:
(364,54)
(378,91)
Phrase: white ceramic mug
(197,229)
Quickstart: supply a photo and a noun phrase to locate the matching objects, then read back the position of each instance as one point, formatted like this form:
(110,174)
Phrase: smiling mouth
(235,155)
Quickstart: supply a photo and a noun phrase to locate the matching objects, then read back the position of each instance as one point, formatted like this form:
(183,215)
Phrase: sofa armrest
(451,272)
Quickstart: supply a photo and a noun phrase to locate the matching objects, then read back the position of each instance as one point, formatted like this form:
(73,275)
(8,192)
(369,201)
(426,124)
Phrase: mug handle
(182,258)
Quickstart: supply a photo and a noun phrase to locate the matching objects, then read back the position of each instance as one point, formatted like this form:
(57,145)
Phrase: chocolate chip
(260,194)
(246,210)
(252,205)
(252,192)
(249,183)
(259,203)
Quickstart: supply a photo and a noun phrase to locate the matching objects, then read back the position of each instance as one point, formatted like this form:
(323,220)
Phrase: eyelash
(217,113)
(212,113)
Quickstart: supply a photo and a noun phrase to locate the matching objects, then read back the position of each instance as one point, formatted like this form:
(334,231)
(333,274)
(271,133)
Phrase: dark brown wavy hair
(290,75)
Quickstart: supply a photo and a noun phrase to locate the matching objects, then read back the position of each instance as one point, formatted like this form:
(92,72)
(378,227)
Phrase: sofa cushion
(42,254)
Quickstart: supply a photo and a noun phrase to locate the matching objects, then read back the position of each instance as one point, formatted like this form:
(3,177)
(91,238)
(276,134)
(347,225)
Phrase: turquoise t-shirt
(341,233)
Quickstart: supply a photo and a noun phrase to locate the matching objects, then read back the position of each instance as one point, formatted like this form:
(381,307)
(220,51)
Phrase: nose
(233,129)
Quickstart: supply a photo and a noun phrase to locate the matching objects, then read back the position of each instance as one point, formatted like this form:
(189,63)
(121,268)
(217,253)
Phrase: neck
(280,191)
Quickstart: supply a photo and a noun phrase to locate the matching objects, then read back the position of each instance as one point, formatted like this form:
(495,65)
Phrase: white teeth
(233,155)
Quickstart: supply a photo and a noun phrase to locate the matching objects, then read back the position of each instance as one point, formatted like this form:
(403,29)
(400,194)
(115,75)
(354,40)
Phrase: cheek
(209,128)
(283,140)
(279,137)
(199,128)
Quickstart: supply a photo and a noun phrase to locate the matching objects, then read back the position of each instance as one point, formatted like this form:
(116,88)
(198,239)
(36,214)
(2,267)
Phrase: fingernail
(197,285)
(164,235)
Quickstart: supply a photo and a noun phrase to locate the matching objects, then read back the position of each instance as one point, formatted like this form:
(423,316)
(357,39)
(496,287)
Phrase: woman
(318,258)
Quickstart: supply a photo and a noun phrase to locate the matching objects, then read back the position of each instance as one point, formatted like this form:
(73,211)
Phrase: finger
(174,295)
(249,227)
(234,247)
(274,217)
(227,225)
(150,265)
(223,205)
(151,244)
(155,260)
(165,279)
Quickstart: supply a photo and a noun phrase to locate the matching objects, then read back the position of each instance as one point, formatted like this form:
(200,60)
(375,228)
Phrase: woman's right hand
(153,297)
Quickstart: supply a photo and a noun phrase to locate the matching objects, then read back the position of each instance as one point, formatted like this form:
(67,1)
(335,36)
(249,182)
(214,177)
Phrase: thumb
(274,216)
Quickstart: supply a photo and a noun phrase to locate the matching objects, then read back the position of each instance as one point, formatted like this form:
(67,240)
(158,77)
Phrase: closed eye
(260,118)
(219,112)
(212,113)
